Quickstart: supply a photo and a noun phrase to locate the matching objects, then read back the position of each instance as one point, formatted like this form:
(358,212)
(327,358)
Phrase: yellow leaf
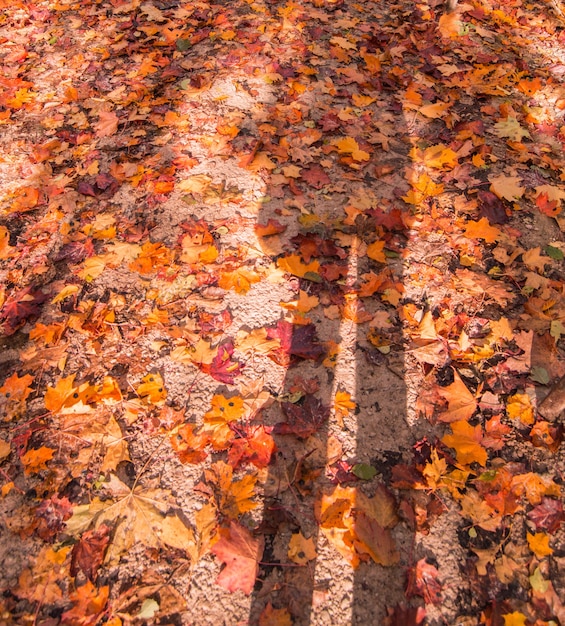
(202,353)
(348,145)
(195,184)
(362,101)
(68,290)
(140,515)
(437,157)
(519,407)
(293,264)
(56,397)
(233,497)
(292,171)
(256,341)
(539,544)
(514,619)
(304,304)
(534,260)
(216,420)
(434,470)
(343,403)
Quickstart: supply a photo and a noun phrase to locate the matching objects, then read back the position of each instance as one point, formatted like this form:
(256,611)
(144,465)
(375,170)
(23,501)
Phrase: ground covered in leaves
(282,313)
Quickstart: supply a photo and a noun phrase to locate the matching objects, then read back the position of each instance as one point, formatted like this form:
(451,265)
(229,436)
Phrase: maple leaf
(274,617)
(303,420)
(437,157)
(94,433)
(349,145)
(152,389)
(519,407)
(376,251)
(107,124)
(423,581)
(293,264)
(316,176)
(35,459)
(255,445)
(507,187)
(241,553)
(19,308)
(222,367)
(510,128)
(88,553)
(272,227)
(233,497)
(6,250)
(481,230)
(217,419)
(461,403)
(40,583)
(376,540)
(301,550)
(539,544)
(89,602)
(136,514)
(466,441)
(189,445)
(514,619)
(256,341)
(17,388)
(343,403)
(240,279)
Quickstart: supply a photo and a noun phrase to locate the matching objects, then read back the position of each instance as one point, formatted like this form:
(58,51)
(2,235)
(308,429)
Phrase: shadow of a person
(333,219)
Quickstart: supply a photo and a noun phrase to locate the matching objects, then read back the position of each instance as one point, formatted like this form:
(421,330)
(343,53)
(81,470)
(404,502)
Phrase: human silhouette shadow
(334,220)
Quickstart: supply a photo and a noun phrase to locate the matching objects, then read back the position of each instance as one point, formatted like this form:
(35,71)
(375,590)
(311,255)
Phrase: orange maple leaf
(17,388)
(6,250)
(107,124)
(233,497)
(34,460)
(482,230)
(189,445)
(466,441)
(240,279)
(88,603)
(461,403)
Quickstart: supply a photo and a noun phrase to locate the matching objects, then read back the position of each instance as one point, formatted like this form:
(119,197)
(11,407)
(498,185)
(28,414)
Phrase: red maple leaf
(316,176)
(254,446)
(88,553)
(422,581)
(547,515)
(223,367)
(303,419)
(19,308)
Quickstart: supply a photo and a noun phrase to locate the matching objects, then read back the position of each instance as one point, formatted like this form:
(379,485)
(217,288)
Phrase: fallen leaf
(240,552)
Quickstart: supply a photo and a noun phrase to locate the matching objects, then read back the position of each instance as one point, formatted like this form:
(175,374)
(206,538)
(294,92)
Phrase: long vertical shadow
(341,131)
